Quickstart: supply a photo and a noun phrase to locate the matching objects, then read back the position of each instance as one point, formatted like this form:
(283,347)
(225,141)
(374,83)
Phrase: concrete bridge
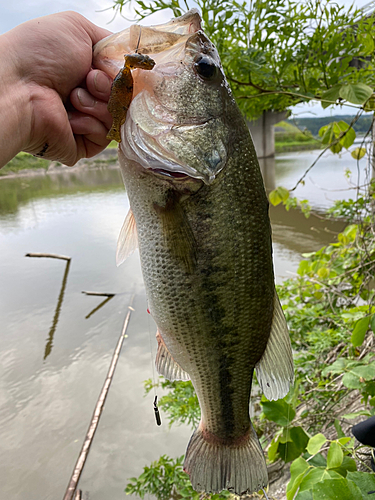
(262,132)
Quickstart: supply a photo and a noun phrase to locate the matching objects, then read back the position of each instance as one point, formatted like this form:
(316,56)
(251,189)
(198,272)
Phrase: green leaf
(351,381)
(344,440)
(340,432)
(368,44)
(336,489)
(327,133)
(278,195)
(337,367)
(335,456)
(348,464)
(331,96)
(367,372)
(297,472)
(349,137)
(273,448)
(373,323)
(313,476)
(336,148)
(315,443)
(370,104)
(364,481)
(356,93)
(278,411)
(359,332)
(350,416)
(303,267)
(358,153)
(295,444)
(304,495)
(323,272)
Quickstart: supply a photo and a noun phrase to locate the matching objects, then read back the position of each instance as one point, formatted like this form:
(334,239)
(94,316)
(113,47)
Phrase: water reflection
(49,344)
(103,303)
(333,177)
(268,169)
(15,192)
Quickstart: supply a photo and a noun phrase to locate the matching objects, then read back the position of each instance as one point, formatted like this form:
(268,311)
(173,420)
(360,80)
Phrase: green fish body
(199,213)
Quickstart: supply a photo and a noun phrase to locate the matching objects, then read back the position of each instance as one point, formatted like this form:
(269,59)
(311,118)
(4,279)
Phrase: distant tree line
(361,126)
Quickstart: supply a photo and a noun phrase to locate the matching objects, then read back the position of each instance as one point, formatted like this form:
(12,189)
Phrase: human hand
(44,61)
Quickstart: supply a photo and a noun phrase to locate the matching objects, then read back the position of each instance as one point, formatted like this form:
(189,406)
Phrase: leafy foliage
(278,53)
(166,479)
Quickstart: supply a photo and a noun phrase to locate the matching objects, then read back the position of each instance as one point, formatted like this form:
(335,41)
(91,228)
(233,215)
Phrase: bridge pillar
(263,134)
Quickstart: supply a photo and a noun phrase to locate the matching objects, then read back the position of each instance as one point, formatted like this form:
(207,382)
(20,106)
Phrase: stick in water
(48,255)
(69,494)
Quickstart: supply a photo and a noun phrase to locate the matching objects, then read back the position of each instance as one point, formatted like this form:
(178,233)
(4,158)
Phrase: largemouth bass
(199,213)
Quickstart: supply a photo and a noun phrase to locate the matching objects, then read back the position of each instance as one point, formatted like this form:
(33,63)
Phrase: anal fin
(275,371)
(166,365)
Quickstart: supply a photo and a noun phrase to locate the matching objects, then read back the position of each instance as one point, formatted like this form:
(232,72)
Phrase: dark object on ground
(365,433)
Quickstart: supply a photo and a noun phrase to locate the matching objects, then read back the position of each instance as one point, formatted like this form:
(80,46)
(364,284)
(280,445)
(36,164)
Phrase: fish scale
(200,211)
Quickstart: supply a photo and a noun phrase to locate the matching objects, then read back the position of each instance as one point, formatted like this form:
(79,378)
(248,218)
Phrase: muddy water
(55,348)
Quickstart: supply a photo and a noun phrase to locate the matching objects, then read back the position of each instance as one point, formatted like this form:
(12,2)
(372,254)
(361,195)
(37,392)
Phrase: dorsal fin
(127,240)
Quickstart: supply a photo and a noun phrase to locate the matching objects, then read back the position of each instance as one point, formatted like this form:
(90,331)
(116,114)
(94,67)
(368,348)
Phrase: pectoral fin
(177,233)
(166,365)
(127,240)
(275,372)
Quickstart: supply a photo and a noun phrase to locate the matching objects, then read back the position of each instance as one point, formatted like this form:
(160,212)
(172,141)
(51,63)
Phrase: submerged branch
(103,303)
(49,344)
(48,255)
(69,494)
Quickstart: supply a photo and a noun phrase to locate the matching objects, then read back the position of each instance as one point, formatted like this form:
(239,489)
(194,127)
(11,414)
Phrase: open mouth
(168,173)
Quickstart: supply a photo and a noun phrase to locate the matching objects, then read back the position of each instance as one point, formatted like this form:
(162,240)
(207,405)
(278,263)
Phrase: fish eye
(205,68)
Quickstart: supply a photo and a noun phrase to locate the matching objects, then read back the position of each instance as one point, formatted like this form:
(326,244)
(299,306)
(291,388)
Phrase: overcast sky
(13,13)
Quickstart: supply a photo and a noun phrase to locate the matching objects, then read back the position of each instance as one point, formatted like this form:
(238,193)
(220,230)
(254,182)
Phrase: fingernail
(102,82)
(85,98)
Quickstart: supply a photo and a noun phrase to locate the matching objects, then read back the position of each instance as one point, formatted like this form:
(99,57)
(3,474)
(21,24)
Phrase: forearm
(14,106)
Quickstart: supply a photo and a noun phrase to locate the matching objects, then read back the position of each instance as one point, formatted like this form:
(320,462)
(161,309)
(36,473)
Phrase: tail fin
(213,467)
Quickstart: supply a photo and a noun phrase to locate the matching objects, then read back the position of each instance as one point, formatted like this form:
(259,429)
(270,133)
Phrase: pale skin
(52,102)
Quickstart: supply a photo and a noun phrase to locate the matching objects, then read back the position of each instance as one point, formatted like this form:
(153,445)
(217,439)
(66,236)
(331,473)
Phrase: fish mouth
(153,137)
(172,175)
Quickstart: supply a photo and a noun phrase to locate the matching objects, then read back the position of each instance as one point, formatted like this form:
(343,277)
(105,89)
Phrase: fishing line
(265,494)
(139,39)
(155,404)
(287,430)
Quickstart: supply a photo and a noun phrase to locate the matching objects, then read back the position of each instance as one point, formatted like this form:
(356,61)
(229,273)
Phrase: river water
(55,349)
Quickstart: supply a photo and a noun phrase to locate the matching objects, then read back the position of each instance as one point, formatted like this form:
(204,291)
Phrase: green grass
(24,161)
(283,147)
(290,138)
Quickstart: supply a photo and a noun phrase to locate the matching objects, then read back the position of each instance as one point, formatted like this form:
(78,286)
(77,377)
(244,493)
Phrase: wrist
(15,109)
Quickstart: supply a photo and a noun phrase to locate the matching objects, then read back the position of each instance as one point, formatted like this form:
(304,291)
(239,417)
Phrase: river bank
(25,164)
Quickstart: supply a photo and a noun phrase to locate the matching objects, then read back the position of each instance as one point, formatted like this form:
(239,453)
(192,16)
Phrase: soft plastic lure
(122,92)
